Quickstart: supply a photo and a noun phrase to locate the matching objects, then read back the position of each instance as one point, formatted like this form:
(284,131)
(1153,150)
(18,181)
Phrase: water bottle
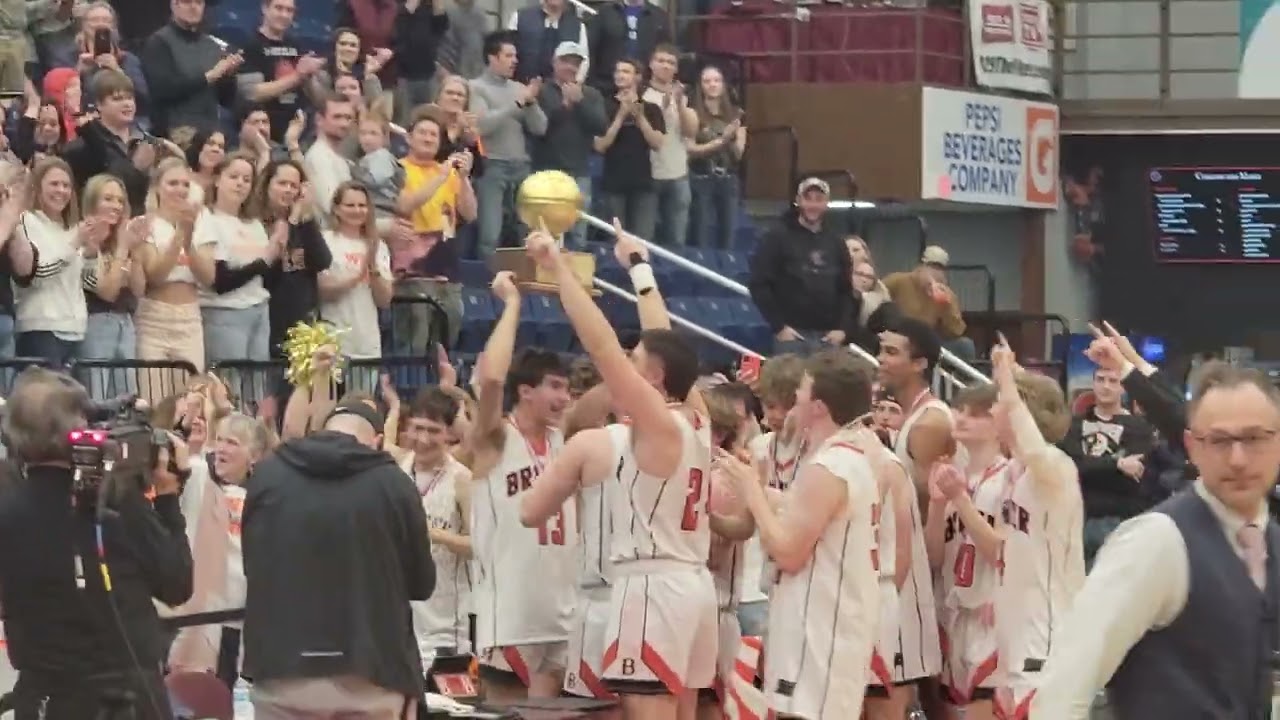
(241,705)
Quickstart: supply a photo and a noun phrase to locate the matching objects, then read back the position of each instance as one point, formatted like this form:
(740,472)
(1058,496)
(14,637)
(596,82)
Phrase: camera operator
(77,573)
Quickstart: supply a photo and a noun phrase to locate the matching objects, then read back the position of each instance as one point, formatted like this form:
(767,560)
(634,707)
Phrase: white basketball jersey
(528,577)
(781,462)
(823,619)
(596,518)
(665,518)
(1043,560)
(920,649)
(968,581)
(441,621)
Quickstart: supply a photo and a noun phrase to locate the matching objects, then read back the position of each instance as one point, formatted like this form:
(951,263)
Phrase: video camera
(119,442)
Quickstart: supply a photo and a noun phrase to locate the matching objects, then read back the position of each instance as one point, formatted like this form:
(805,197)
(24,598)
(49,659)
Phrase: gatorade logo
(1042,155)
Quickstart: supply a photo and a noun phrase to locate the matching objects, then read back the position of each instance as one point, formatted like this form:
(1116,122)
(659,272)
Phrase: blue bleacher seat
(611,272)
(745,236)
(477,319)
(553,329)
(720,313)
(675,281)
(620,313)
(527,330)
(755,331)
(735,265)
(475,273)
(703,256)
(603,252)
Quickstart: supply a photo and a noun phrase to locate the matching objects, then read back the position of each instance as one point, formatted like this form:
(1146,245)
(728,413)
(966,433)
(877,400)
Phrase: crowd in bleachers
(273,184)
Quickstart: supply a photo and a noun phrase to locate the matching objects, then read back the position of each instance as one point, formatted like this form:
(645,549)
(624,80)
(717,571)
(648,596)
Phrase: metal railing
(957,372)
(804,25)
(1147,49)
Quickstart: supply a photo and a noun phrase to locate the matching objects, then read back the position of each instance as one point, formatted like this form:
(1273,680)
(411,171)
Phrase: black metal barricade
(250,381)
(408,374)
(9,369)
(415,326)
(152,380)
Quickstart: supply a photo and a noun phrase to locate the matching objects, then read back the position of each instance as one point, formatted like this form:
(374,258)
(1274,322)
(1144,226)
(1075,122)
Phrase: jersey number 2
(690,521)
(552,531)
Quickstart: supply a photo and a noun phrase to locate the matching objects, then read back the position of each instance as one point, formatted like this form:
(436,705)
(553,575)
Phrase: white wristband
(642,278)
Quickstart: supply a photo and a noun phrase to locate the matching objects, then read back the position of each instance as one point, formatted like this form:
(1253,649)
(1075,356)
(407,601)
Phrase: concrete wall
(1139,58)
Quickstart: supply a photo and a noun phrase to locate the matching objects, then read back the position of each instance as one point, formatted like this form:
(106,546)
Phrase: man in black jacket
(111,143)
(801,277)
(83,644)
(1109,447)
(621,30)
(335,547)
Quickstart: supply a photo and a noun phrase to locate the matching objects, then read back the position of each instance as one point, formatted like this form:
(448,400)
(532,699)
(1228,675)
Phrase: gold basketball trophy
(550,201)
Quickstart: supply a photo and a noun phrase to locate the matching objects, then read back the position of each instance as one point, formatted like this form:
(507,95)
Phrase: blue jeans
(753,618)
(232,335)
(7,339)
(713,215)
(674,199)
(637,210)
(496,197)
(110,336)
(576,238)
(44,344)
(810,343)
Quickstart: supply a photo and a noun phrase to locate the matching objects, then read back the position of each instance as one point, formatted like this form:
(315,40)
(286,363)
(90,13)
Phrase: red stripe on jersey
(880,669)
(1019,712)
(846,446)
(592,682)
(518,666)
(660,669)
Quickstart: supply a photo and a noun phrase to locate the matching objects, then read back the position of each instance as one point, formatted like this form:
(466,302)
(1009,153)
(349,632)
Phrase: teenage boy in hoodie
(1109,447)
(335,547)
(801,277)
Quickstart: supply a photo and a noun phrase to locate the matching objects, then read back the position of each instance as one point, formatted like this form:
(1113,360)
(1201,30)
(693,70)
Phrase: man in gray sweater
(506,111)
(575,116)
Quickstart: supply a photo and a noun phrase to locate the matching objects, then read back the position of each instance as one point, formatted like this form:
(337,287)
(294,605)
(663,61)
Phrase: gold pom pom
(300,346)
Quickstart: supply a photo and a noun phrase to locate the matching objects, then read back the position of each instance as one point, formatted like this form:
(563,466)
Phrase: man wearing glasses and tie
(1178,618)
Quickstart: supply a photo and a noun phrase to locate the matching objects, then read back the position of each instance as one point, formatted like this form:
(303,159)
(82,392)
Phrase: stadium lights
(847,204)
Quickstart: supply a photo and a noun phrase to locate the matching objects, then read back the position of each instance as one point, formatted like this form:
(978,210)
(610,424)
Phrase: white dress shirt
(1140,582)
(514,21)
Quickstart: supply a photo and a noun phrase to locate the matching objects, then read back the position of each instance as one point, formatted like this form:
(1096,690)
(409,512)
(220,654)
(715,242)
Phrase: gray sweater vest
(1214,660)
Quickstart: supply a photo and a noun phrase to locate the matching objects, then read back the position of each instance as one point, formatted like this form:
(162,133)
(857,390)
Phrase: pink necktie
(1252,542)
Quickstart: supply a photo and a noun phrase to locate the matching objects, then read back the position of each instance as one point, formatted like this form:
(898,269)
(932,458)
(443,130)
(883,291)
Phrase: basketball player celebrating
(824,609)
(441,623)
(909,351)
(524,593)
(588,466)
(1043,519)
(965,544)
(893,545)
(662,626)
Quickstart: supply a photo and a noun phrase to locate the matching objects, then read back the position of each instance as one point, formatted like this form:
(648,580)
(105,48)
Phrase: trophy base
(532,278)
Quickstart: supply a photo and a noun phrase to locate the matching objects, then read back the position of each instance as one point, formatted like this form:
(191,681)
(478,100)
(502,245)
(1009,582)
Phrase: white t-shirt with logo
(238,242)
(355,311)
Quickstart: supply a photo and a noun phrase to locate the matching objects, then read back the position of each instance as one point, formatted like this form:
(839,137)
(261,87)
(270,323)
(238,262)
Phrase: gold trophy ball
(549,199)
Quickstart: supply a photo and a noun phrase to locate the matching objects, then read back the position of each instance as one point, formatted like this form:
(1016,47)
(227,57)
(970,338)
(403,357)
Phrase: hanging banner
(1011,45)
(988,149)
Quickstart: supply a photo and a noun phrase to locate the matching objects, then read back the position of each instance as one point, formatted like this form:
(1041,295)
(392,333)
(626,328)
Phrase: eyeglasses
(1250,440)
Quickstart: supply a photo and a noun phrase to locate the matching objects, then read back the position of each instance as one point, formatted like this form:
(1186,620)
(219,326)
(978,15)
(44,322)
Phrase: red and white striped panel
(743,700)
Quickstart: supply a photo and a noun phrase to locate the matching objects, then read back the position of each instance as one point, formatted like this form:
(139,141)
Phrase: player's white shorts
(663,627)
(970,651)
(1017,688)
(586,644)
(880,674)
(918,655)
(525,660)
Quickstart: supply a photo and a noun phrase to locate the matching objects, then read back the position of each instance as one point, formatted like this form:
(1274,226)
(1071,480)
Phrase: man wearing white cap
(801,276)
(575,117)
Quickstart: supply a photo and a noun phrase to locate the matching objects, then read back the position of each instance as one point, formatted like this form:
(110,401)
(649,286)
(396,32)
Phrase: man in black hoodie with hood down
(335,547)
(801,277)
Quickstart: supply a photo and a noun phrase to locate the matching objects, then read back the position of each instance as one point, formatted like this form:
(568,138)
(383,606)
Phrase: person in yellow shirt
(437,196)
